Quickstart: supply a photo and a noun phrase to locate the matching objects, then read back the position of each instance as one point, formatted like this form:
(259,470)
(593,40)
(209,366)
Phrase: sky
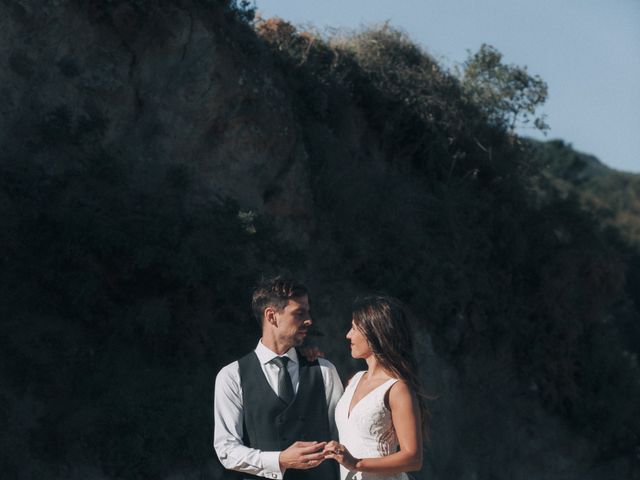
(588,52)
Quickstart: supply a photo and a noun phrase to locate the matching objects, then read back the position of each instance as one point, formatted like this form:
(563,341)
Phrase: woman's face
(359,346)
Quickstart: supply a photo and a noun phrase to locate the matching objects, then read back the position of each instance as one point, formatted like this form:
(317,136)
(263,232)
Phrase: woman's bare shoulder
(400,392)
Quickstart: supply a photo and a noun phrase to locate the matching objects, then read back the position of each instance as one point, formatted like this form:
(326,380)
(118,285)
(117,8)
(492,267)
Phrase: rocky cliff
(158,156)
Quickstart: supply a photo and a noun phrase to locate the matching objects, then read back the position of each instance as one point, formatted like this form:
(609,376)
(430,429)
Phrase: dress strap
(388,384)
(355,378)
(392,381)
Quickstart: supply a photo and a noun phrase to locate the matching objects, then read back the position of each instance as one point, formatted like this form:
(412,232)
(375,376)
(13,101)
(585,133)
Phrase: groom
(273,409)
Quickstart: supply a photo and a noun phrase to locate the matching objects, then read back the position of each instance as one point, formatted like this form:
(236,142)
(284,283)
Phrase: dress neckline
(350,407)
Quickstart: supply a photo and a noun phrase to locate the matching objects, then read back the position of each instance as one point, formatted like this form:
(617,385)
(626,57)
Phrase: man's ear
(270,316)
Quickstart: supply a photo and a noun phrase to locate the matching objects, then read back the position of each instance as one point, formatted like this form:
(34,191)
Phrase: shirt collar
(265,355)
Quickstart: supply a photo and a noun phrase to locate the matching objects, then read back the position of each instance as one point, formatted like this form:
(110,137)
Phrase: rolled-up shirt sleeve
(227,430)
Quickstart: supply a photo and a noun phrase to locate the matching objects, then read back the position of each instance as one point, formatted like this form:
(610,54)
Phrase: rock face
(178,83)
(168,82)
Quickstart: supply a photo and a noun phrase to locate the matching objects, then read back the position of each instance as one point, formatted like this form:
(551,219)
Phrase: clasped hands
(340,454)
(305,455)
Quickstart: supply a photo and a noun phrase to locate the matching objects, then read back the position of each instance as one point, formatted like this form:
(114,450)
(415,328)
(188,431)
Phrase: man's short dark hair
(275,292)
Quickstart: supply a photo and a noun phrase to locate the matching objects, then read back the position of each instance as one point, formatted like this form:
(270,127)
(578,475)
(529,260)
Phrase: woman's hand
(341,455)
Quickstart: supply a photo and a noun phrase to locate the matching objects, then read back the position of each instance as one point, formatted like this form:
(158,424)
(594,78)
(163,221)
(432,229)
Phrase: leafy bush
(507,94)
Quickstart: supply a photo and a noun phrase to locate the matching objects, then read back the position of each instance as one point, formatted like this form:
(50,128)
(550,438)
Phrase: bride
(380,417)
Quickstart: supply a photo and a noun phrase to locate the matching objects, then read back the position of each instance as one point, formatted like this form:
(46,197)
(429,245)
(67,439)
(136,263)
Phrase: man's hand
(302,455)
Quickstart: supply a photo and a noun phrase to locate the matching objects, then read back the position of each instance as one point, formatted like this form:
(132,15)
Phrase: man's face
(293,321)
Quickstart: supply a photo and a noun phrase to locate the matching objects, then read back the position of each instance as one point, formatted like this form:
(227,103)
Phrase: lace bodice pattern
(368,431)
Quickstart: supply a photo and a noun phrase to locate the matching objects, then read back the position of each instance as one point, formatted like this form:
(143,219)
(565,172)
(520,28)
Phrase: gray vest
(271,425)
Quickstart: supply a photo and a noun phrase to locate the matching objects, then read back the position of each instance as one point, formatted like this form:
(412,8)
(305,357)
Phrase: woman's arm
(405,415)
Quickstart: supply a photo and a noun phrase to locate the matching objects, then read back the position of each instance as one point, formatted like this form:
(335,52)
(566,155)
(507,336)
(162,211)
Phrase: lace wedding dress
(368,431)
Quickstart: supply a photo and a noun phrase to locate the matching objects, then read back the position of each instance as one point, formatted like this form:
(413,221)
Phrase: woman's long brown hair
(384,321)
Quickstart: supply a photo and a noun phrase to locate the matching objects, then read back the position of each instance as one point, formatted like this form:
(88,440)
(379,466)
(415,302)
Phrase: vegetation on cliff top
(498,262)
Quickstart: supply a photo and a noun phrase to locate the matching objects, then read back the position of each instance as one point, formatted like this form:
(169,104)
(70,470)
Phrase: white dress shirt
(228,412)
